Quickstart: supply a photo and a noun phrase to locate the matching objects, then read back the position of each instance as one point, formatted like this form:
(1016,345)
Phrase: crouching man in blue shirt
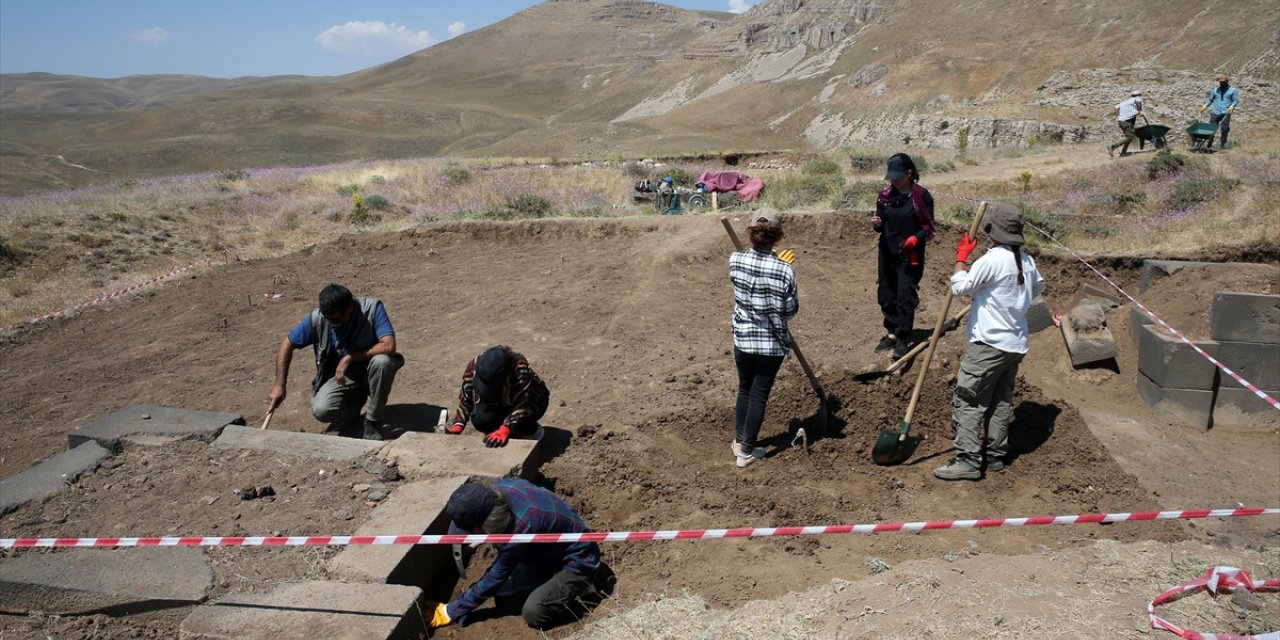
(356,359)
(563,580)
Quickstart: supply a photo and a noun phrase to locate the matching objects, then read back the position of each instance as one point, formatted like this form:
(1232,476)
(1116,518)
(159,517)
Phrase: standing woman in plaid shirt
(764,298)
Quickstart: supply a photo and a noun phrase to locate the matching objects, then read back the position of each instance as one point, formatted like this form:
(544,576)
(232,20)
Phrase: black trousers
(1223,121)
(898,291)
(756,374)
(566,597)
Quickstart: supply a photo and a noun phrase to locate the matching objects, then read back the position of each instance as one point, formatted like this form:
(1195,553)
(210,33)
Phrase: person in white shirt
(1003,282)
(1127,113)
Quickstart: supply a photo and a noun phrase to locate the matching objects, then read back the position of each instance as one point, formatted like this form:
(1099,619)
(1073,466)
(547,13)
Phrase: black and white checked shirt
(764,298)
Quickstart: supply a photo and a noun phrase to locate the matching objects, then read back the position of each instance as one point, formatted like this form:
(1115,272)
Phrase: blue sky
(231,38)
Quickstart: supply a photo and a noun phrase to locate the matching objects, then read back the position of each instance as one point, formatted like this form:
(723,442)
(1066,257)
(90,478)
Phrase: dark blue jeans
(756,374)
(1223,120)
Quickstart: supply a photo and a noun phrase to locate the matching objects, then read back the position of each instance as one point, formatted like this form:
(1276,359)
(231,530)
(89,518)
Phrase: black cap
(492,368)
(899,164)
(469,506)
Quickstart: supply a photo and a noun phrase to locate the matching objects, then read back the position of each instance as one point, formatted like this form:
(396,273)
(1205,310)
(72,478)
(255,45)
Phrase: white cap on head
(1135,93)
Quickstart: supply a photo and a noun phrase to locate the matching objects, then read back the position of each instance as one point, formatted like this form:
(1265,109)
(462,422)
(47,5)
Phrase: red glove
(966,247)
(910,243)
(909,246)
(498,438)
(454,429)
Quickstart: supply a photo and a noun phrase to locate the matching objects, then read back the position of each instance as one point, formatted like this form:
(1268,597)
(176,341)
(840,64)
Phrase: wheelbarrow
(1153,133)
(1200,135)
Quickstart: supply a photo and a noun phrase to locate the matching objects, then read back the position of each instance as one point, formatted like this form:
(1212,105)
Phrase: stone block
(309,610)
(1171,363)
(145,419)
(49,477)
(1239,408)
(1085,348)
(413,509)
(113,581)
(1138,320)
(1183,406)
(1109,299)
(1087,316)
(1257,363)
(1039,316)
(315,445)
(421,455)
(1153,270)
(1245,317)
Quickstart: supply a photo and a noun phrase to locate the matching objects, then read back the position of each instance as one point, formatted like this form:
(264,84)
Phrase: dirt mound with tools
(628,322)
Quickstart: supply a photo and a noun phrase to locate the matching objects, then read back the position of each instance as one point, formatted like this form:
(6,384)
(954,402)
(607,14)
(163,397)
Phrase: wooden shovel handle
(795,347)
(937,331)
(266,421)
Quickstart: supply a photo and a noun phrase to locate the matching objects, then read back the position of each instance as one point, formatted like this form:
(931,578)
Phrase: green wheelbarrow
(1153,133)
(1200,135)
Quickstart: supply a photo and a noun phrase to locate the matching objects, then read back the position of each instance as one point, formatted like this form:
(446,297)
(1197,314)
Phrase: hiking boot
(900,349)
(371,430)
(995,464)
(957,470)
(886,343)
(745,457)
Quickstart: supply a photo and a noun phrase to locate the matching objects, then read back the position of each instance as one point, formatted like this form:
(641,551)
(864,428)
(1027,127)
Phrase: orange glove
(454,429)
(966,247)
(498,438)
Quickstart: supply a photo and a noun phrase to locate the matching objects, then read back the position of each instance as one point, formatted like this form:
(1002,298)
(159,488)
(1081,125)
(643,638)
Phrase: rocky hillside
(589,78)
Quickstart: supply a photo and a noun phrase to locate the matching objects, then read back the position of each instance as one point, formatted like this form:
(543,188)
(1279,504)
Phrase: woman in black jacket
(904,218)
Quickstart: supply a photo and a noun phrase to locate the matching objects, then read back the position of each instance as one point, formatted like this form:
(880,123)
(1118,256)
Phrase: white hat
(1135,93)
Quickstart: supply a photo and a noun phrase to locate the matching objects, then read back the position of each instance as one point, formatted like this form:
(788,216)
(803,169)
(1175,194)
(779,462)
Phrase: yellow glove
(440,618)
(786,255)
(1230,110)
(1202,109)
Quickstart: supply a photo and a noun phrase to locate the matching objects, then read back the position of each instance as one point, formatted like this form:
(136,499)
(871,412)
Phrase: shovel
(868,376)
(895,446)
(795,348)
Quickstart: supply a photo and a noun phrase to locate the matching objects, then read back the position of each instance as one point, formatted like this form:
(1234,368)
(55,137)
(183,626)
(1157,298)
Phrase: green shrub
(529,206)
(867,162)
(922,165)
(822,168)
(680,175)
(377,178)
(613,159)
(946,166)
(962,138)
(377,202)
(797,191)
(1189,193)
(9,255)
(1044,221)
(456,175)
(234,175)
(1097,230)
(1165,161)
(349,189)
(635,169)
(859,195)
(961,214)
(588,212)
(497,213)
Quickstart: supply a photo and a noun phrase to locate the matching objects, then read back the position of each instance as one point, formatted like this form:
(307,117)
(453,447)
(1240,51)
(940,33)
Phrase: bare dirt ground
(628,322)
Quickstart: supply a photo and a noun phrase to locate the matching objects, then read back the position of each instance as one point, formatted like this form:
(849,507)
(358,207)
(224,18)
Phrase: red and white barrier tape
(1232,374)
(1216,580)
(107,296)
(625,536)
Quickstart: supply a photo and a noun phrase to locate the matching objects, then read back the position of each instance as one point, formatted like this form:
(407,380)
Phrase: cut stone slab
(1039,316)
(421,454)
(1240,408)
(145,419)
(1154,270)
(1183,406)
(315,445)
(1086,348)
(1172,363)
(309,610)
(413,509)
(49,477)
(1257,363)
(1245,317)
(112,581)
(1138,320)
(1108,299)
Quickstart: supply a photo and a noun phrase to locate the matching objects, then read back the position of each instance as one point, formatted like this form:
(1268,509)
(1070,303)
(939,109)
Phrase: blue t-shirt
(303,335)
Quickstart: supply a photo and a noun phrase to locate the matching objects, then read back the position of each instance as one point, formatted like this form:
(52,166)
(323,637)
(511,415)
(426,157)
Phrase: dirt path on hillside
(628,322)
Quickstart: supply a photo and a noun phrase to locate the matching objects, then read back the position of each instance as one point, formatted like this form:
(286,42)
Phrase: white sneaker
(745,457)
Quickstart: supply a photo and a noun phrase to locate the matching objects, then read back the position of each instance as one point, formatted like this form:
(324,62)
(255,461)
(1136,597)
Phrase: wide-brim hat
(1003,222)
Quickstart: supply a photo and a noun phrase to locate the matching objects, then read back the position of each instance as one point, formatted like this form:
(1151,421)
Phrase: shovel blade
(891,449)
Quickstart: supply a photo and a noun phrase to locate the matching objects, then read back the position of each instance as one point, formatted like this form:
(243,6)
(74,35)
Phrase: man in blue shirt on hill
(356,359)
(1221,103)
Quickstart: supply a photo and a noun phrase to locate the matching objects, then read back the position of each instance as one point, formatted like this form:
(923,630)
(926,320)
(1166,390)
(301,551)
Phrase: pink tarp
(745,187)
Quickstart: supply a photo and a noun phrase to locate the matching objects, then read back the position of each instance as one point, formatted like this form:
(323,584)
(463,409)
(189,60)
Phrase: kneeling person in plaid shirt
(764,298)
(563,581)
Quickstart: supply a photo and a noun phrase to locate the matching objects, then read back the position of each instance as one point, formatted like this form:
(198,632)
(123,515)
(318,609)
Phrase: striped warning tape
(1151,314)
(1215,581)
(626,536)
(108,296)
